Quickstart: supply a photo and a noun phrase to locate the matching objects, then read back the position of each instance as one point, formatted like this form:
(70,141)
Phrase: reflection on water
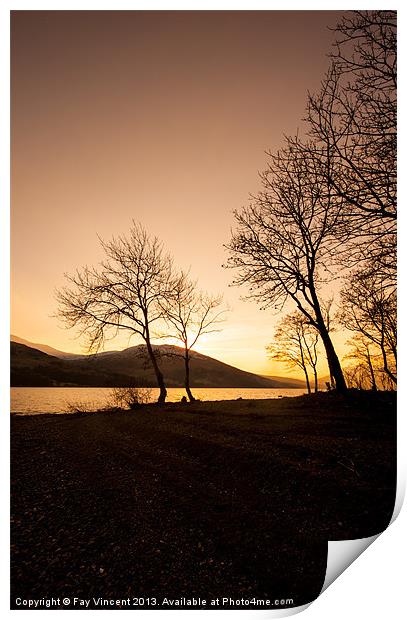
(58,400)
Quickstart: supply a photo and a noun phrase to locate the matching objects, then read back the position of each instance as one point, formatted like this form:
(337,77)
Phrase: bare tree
(364,355)
(369,308)
(354,117)
(296,344)
(311,339)
(286,244)
(122,294)
(190,313)
(357,376)
(386,382)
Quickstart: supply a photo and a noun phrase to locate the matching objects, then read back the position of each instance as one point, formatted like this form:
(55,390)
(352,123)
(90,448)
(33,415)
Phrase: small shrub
(130,397)
(80,407)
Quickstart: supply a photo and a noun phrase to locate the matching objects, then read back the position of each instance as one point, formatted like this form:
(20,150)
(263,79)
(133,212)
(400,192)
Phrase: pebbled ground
(234,498)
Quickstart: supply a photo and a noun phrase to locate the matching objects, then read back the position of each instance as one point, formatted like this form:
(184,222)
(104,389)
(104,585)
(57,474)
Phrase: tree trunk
(187,386)
(371,370)
(158,373)
(385,365)
(335,369)
(304,366)
(315,381)
(307,380)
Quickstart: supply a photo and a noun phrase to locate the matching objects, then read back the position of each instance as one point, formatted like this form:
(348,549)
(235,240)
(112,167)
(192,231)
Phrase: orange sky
(163,117)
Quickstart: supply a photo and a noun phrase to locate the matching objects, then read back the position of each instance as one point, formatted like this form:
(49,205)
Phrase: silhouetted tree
(286,243)
(369,308)
(190,313)
(357,376)
(296,344)
(122,294)
(364,355)
(354,117)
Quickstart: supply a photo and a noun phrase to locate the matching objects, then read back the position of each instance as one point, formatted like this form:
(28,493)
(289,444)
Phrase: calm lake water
(60,400)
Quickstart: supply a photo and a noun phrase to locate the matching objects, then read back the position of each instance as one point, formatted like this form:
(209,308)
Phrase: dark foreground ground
(232,499)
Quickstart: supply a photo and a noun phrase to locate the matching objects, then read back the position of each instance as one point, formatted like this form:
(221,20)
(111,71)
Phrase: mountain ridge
(44,348)
(32,367)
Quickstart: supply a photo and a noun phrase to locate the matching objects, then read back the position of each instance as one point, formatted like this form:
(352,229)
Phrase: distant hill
(298,383)
(289,381)
(44,348)
(32,367)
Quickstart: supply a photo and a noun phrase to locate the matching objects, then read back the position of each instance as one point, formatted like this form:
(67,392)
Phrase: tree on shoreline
(296,344)
(122,294)
(365,361)
(285,246)
(369,309)
(190,313)
(328,205)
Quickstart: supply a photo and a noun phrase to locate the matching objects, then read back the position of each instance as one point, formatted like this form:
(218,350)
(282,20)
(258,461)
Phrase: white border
(373,586)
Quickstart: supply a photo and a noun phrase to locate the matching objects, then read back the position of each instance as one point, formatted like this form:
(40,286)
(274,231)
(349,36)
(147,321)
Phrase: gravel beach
(211,500)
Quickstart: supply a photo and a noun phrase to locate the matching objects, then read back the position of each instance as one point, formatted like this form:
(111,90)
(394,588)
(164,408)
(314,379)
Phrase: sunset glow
(159,117)
(203,351)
